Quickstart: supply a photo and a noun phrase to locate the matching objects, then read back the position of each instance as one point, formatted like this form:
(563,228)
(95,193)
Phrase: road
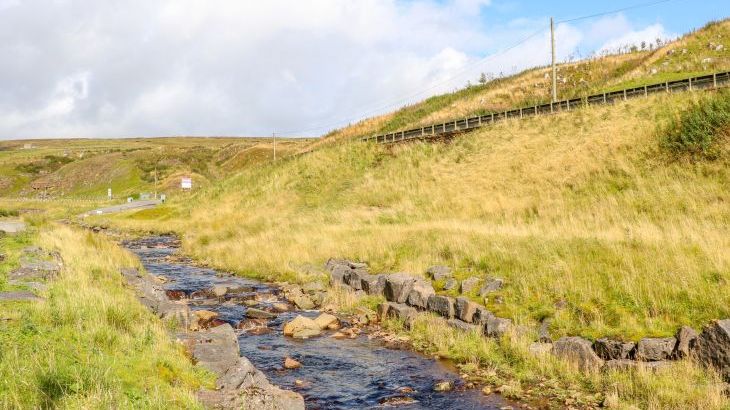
(136,205)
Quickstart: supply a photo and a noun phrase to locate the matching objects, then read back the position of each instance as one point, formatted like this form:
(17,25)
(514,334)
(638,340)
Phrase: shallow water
(335,374)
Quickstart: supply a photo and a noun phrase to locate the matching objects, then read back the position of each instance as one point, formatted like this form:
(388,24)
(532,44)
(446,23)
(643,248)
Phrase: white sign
(109,193)
(186,183)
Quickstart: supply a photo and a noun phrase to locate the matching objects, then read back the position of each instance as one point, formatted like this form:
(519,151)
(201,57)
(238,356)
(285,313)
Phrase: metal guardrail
(708,81)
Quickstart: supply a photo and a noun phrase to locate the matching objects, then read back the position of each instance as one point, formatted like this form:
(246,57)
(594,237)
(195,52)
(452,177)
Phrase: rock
(383,309)
(215,350)
(303,302)
(486,390)
(398,286)
(300,323)
(219,290)
(402,312)
(451,284)
(254,313)
(686,338)
(461,325)
(626,364)
(443,305)
(481,316)
(313,287)
(654,349)
(175,294)
(540,349)
(439,272)
(418,297)
(469,284)
(579,351)
(354,278)
(365,315)
(713,347)
(543,332)
(280,307)
(608,349)
(12,227)
(290,363)
(306,333)
(325,320)
(464,309)
(443,386)
(491,285)
(373,284)
(19,296)
(252,324)
(340,270)
(496,327)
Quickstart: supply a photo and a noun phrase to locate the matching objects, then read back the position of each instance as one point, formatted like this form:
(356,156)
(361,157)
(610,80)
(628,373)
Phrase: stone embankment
(37,267)
(407,295)
(239,384)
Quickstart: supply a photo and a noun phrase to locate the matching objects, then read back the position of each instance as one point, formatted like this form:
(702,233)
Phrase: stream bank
(334,373)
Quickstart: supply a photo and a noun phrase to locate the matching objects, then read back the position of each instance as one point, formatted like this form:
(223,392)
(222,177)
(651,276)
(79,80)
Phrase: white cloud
(187,67)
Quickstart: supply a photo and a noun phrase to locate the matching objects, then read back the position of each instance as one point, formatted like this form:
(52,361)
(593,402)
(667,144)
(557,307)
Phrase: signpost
(186,183)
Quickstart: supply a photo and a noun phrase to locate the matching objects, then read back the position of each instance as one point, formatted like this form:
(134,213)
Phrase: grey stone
(398,286)
(398,311)
(450,284)
(12,227)
(419,294)
(464,309)
(254,313)
(461,325)
(654,349)
(540,349)
(543,332)
(373,284)
(491,285)
(496,327)
(313,287)
(19,296)
(383,309)
(686,338)
(469,284)
(626,364)
(481,316)
(713,347)
(354,278)
(303,302)
(439,272)
(609,349)
(579,351)
(443,305)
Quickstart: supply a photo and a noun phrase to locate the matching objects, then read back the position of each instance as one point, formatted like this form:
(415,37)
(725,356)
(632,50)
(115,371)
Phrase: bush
(700,131)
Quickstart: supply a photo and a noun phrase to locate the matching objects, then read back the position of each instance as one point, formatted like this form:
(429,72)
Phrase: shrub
(700,131)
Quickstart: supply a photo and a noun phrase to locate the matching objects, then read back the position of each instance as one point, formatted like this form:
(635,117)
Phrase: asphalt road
(136,205)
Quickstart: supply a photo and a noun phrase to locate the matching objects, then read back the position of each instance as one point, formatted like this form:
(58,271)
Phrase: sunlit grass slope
(583,209)
(90,344)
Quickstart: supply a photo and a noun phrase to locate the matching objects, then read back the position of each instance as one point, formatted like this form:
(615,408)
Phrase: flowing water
(335,374)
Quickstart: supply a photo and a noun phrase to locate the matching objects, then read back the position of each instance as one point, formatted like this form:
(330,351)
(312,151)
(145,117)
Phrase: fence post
(480,120)
(714,80)
(551,107)
(625,97)
(568,103)
(690,83)
(604,98)
(536,110)
(666,86)
(520,113)
(646,91)
(492,117)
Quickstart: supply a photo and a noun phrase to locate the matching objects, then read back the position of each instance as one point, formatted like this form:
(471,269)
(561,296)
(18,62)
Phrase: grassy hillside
(694,54)
(86,168)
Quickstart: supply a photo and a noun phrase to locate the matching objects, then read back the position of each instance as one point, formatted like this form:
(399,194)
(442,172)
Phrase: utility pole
(552,41)
(273,135)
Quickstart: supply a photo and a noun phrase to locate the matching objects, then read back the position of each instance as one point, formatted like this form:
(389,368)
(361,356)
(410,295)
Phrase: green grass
(90,344)
(700,131)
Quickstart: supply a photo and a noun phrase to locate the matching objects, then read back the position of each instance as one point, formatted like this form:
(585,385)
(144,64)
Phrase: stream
(336,373)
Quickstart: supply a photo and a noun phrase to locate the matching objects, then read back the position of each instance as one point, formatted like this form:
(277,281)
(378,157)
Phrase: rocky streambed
(341,368)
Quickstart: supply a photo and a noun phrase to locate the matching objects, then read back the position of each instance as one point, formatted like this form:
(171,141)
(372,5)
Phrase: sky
(111,68)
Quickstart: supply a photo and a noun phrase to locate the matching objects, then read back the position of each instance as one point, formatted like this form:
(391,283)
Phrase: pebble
(290,363)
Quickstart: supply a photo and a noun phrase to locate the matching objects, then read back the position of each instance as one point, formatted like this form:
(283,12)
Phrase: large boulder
(464,309)
(324,320)
(579,351)
(713,347)
(398,286)
(686,339)
(461,325)
(300,326)
(439,272)
(398,311)
(354,278)
(341,269)
(469,284)
(654,349)
(609,349)
(419,294)
(491,285)
(496,327)
(481,316)
(373,284)
(443,305)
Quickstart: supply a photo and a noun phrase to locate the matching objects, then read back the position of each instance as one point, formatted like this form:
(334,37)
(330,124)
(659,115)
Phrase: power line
(464,70)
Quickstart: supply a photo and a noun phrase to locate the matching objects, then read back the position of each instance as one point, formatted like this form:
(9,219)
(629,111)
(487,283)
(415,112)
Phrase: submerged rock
(301,327)
(290,363)
(442,386)
(254,313)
